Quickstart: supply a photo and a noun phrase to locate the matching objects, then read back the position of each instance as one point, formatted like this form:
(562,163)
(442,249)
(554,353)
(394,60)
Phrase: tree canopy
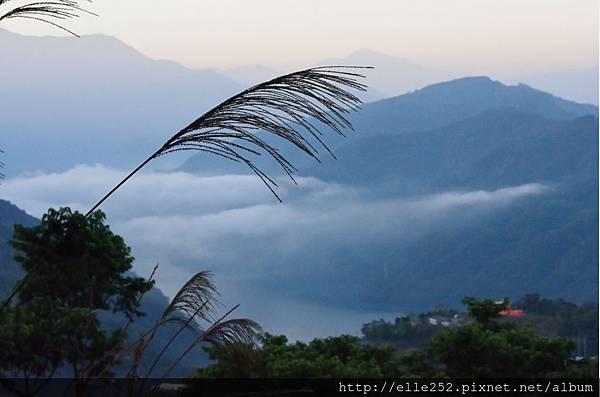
(492,349)
(74,267)
(276,357)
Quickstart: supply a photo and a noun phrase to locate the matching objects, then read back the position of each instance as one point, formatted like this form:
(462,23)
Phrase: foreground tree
(74,268)
(578,322)
(77,261)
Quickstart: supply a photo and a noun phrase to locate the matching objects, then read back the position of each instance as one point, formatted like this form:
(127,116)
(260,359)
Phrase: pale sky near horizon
(508,36)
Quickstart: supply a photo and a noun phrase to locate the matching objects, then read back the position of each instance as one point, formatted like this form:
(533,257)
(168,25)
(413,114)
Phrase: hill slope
(480,151)
(546,243)
(9,272)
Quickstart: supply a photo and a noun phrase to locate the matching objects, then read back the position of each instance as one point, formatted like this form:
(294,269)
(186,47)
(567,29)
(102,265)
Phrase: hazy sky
(468,35)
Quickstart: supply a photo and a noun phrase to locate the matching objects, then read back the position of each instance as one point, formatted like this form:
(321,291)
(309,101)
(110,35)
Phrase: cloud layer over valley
(232,225)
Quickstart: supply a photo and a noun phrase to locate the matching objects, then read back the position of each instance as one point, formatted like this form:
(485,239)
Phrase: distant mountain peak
(486,79)
(469,81)
(498,94)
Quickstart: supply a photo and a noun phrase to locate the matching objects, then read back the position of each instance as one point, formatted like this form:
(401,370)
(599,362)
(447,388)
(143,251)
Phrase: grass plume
(53,13)
(195,302)
(288,107)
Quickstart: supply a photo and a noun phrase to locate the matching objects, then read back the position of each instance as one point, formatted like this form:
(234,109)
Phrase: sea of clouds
(233,226)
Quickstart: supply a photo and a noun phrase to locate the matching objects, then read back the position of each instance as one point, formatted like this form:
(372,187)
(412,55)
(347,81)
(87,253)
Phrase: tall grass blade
(288,106)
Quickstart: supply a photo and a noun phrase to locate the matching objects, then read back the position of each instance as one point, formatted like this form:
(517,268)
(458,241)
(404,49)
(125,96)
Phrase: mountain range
(94,100)
(466,135)
(395,76)
(432,107)
(98,100)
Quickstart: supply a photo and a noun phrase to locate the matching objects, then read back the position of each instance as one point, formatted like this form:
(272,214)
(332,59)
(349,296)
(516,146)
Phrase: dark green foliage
(78,262)
(27,343)
(534,304)
(559,317)
(40,337)
(410,331)
(74,270)
(404,333)
(336,357)
(484,310)
(478,351)
(153,304)
(492,349)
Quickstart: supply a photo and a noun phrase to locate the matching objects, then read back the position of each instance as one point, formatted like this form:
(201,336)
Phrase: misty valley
(456,217)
